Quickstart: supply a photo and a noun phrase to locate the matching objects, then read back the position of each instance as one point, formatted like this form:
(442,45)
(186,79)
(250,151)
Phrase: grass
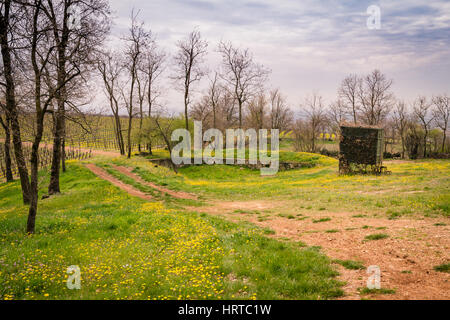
(443,268)
(127,248)
(321,220)
(377,236)
(319,187)
(350,264)
(367,291)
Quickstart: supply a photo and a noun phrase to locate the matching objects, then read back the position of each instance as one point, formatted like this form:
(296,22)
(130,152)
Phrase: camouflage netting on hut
(361,149)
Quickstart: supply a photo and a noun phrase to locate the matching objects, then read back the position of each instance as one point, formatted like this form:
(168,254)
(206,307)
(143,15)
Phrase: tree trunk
(149,147)
(11,107)
(425,145)
(62,43)
(140,129)
(119,136)
(186,96)
(240,114)
(32,212)
(150,103)
(63,154)
(130,121)
(8,162)
(403,147)
(54,187)
(444,140)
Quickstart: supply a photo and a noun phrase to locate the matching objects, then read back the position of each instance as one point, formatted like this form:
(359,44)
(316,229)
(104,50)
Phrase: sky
(309,45)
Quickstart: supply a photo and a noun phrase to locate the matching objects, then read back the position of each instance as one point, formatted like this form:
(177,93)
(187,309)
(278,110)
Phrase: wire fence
(45,158)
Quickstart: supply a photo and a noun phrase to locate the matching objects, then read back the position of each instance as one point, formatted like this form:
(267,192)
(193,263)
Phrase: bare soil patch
(102,174)
(406,259)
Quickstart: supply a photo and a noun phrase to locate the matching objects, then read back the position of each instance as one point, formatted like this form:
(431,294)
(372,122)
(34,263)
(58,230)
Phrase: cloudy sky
(311,45)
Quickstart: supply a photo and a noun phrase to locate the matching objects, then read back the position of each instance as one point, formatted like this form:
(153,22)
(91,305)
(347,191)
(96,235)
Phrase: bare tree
(40,54)
(110,68)
(315,116)
(227,110)
(42,34)
(5,123)
(337,113)
(303,136)
(375,97)
(422,111)
(165,123)
(214,95)
(401,121)
(152,67)
(74,45)
(189,66)
(281,115)
(202,111)
(442,116)
(257,111)
(141,82)
(348,93)
(9,16)
(137,42)
(245,77)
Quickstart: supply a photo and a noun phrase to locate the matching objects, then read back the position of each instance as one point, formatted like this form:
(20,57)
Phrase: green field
(128,248)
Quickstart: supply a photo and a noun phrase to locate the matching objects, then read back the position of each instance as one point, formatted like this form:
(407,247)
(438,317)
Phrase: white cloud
(311,45)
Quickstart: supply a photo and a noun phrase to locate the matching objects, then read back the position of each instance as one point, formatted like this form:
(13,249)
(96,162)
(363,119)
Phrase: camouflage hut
(361,149)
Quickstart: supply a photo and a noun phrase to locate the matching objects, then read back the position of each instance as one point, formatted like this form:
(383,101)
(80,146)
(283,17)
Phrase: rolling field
(302,234)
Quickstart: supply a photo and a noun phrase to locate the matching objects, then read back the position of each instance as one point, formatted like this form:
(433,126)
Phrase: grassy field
(415,187)
(128,248)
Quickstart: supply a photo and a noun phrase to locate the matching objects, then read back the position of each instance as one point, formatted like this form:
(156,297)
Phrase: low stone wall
(284,166)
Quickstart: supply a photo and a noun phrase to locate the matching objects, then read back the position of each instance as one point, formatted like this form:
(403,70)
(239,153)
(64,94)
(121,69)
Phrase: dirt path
(406,258)
(102,174)
(176,194)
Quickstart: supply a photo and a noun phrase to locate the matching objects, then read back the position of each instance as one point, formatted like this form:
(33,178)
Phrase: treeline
(132,75)
(49,51)
(420,129)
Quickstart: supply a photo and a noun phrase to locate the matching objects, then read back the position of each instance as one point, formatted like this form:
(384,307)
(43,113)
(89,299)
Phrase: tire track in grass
(102,174)
(176,194)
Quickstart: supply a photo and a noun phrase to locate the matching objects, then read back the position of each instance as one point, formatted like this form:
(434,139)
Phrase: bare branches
(422,112)
(137,41)
(401,121)
(348,93)
(375,97)
(441,115)
(245,77)
(281,116)
(367,99)
(189,66)
(153,65)
(315,117)
(337,113)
